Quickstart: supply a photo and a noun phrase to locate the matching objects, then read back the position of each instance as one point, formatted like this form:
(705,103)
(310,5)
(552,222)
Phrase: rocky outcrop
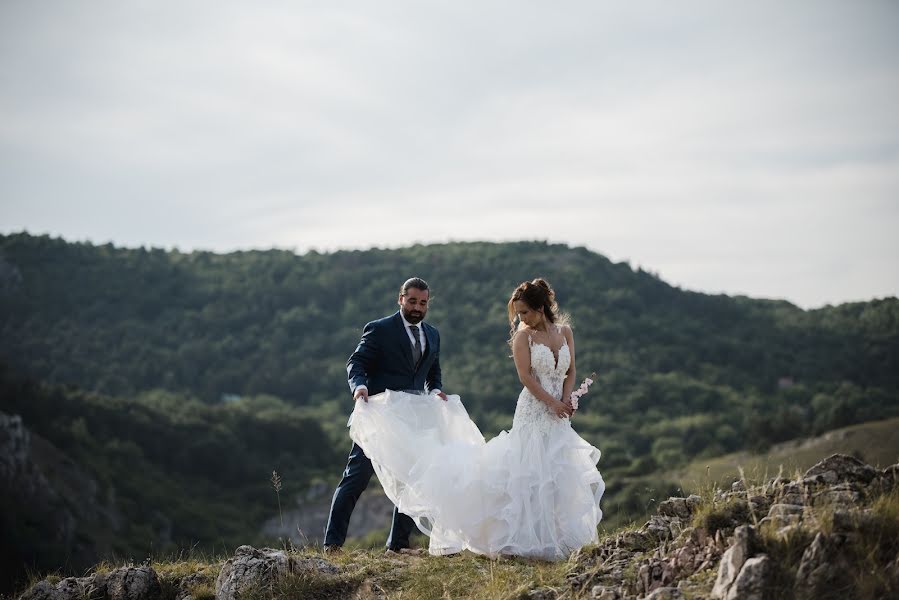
(127,583)
(248,571)
(723,550)
(62,504)
(252,568)
(840,469)
(823,570)
(734,560)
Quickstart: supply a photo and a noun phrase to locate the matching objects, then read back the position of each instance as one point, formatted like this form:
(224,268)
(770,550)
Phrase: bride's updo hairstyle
(537,294)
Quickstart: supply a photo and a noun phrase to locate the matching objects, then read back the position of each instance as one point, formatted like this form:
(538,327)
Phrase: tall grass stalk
(276,484)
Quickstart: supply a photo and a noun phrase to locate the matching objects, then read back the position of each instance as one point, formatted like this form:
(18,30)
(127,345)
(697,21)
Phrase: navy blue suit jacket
(383,358)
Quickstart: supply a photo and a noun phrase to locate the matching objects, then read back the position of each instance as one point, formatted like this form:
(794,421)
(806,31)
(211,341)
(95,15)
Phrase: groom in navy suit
(399,352)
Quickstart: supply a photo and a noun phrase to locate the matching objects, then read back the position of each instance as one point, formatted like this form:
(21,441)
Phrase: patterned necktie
(416,347)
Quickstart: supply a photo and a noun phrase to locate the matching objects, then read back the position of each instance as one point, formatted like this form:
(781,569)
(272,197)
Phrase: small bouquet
(580,391)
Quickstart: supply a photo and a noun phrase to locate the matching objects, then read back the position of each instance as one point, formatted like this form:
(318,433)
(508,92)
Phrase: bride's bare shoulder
(521,338)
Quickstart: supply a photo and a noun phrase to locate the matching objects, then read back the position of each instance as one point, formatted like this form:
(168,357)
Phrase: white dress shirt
(421,333)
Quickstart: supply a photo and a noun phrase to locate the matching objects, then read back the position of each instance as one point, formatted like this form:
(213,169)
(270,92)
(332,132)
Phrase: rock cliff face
(50,506)
(832,533)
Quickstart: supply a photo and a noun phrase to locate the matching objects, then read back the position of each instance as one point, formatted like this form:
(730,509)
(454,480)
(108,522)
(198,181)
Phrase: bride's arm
(571,376)
(521,354)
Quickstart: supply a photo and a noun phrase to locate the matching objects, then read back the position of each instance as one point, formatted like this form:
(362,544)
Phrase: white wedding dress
(532,491)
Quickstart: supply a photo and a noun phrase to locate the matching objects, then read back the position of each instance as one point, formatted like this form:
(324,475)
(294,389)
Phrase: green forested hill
(680,374)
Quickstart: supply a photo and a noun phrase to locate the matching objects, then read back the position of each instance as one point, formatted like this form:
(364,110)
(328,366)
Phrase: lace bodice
(531,412)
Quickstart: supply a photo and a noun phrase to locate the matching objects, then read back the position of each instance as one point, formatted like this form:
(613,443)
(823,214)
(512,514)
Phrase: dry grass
(464,575)
(876,443)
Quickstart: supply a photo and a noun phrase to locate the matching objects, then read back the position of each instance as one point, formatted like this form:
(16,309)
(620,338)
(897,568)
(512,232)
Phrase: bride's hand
(560,409)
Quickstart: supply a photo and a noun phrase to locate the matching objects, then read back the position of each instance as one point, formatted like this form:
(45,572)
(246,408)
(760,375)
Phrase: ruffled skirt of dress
(526,492)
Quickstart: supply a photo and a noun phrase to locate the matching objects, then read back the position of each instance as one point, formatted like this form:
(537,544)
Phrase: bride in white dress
(532,491)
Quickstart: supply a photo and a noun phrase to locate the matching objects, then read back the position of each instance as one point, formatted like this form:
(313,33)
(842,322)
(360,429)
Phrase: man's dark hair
(414,282)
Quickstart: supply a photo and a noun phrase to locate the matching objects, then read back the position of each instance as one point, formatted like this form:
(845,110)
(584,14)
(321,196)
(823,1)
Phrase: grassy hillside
(835,546)
(876,443)
(181,380)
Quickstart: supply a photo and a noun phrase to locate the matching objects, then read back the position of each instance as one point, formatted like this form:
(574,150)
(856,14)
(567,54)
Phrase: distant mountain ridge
(274,322)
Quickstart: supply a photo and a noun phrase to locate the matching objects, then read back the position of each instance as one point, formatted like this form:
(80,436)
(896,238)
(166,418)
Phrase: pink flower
(580,392)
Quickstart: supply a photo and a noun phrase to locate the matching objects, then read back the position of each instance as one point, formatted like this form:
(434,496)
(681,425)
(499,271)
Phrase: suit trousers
(355,479)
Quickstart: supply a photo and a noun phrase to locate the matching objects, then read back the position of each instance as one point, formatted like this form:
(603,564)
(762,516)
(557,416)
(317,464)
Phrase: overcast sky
(738,147)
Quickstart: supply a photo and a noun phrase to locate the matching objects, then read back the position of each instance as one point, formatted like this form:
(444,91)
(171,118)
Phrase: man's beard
(413,316)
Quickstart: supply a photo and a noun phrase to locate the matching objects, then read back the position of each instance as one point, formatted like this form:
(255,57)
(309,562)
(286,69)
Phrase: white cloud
(739,148)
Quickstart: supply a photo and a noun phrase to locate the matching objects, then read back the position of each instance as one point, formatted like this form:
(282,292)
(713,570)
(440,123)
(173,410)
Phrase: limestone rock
(133,583)
(666,593)
(855,523)
(781,516)
(64,504)
(250,569)
(697,551)
(733,560)
(318,565)
(842,494)
(840,468)
(794,493)
(42,590)
(84,588)
(891,475)
(661,528)
(754,580)
(653,574)
(635,540)
(783,510)
(127,583)
(679,507)
(823,570)
(602,592)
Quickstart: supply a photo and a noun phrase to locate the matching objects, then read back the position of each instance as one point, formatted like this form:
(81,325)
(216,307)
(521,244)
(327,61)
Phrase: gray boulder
(665,593)
(841,494)
(783,515)
(42,590)
(603,592)
(126,583)
(793,493)
(754,580)
(733,560)
(823,570)
(251,569)
(84,588)
(891,475)
(654,573)
(840,468)
(133,583)
(681,508)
